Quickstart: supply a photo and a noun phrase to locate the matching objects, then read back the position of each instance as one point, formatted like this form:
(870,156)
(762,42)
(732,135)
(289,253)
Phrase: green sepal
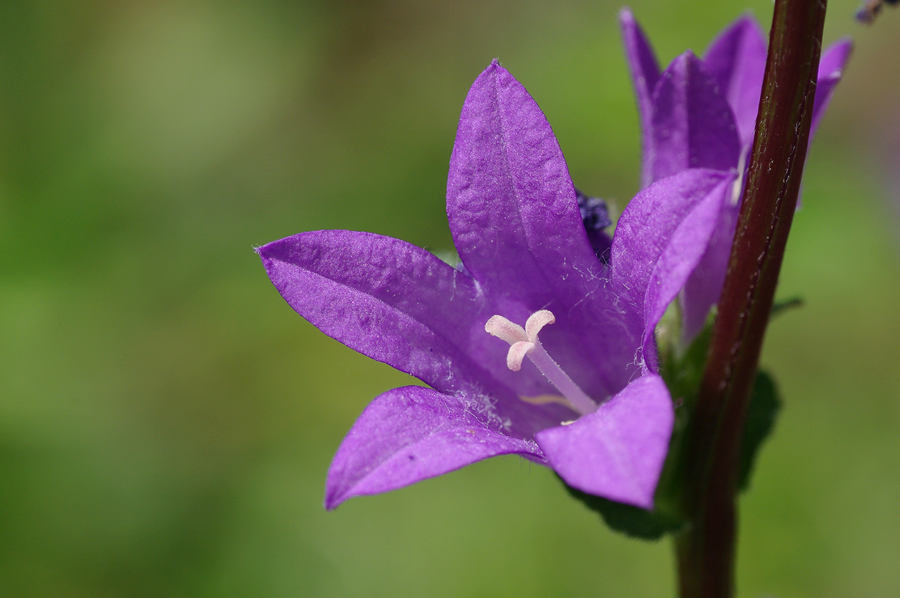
(682,372)
(627,519)
(762,412)
(682,375)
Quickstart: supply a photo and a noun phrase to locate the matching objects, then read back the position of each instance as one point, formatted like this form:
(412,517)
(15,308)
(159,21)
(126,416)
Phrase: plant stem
(706,550)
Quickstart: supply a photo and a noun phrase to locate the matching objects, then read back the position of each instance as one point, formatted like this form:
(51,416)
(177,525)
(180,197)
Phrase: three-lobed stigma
(525,341)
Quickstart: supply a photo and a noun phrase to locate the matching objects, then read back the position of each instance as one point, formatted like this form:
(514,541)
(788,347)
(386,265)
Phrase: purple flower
(701,113)
(588,401)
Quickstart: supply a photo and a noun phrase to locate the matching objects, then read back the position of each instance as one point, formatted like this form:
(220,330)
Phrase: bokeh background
(166,420)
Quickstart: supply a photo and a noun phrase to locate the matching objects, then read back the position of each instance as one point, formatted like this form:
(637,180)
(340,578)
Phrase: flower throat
(525,341)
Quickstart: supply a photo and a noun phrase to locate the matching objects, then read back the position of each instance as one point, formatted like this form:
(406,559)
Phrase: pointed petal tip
(618,451)
(626,17)
(746,20)
(273,249)
(337,491)
(734,39)
(692,124)
(628,496)
(490,76)
(687,56)
(281,250)
(680,64)
(493,67)
(268,252)
(835,58)
(845,42)
(743,25)
(410,434)
(334,495)
(331,502)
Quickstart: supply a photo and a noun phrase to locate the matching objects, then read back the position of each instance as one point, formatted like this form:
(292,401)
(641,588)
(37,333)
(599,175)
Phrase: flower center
(524,341)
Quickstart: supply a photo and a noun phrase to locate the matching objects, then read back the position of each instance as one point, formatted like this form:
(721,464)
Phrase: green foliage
(682,372)
(627,519)
(762,411)
(779,307)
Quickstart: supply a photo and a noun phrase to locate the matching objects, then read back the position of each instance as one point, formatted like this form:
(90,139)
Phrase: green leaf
(682,368)
(682,372)
(779,307)
(765,403)
(627,519)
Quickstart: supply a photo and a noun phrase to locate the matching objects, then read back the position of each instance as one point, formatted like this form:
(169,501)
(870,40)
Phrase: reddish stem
(706,550)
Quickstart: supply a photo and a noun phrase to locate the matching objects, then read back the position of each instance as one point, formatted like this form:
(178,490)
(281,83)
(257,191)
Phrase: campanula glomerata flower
(533,345)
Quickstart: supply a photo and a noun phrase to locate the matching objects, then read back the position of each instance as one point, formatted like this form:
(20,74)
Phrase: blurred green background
(166,420)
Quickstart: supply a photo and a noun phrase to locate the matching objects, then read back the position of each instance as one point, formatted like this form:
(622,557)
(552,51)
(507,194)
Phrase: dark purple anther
(595,216)
(870,9)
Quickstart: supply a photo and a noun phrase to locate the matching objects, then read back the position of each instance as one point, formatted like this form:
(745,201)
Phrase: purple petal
(831,69)
(737,60)
(400,305)
(383,297)
(410,434)
(510,200)
(518,230)
(650,222)
(644,75)
(704,286)
(693,126)
(618,451)
(680,258)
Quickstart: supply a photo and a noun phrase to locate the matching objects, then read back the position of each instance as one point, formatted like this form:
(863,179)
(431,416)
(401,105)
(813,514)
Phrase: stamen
(547,399)
(525,342)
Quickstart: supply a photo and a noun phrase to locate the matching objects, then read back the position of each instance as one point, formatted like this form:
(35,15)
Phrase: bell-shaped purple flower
(701,113)
(532,346)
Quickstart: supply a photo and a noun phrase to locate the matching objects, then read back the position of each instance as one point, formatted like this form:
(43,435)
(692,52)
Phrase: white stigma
(524,341)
